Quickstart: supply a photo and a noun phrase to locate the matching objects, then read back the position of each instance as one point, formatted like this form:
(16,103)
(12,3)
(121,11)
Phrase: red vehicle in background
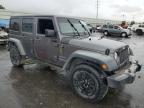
(124,25)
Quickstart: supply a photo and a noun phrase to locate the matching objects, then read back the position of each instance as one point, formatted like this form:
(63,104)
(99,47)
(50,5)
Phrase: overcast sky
(108,9)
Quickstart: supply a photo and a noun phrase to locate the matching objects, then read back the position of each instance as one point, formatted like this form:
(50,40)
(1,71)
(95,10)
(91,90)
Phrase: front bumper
(3,41)
(129,34)
(125,77)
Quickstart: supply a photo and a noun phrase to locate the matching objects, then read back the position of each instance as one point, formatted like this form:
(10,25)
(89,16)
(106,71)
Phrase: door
(117,30)
(28,35)
(110,29)
(46,48)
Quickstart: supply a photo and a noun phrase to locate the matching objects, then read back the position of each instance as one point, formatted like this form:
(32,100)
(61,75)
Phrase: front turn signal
(104,66)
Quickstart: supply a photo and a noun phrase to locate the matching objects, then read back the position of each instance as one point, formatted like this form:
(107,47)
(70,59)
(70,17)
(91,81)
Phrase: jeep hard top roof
(44,16)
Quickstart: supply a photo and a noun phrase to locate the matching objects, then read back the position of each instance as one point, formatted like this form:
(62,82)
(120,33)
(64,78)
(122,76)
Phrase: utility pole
(97,8)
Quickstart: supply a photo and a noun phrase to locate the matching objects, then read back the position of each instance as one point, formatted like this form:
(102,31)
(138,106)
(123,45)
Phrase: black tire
(88,84)
(139,32)
(106,33)
(15,56)
(124,34)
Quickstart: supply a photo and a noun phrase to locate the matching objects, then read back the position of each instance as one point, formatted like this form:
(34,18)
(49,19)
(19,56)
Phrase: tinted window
(115,27)
(105,26)
(44,24)
(140,26)
(15,24)
(110,26)
(27,25)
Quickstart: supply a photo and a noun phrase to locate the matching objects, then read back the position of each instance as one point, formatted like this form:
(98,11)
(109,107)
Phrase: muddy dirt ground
(36,86)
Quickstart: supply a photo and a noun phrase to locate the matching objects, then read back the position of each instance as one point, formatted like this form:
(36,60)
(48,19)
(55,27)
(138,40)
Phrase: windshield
(72,27)
(120,27)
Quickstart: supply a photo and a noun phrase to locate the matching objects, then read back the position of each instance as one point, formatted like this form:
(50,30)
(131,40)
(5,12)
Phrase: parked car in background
(99,28)
(91,28)
(115,30)
(129,27)
(138,28)
(4,23)
(124,24)
(3,36)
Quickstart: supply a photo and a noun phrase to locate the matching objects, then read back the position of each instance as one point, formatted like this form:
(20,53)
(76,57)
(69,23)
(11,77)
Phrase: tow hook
(137,69)
(138,66)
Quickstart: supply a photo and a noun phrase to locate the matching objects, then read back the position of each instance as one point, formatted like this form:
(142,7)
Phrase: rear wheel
(106,33)
(87,83)
(139,32)
(15,56)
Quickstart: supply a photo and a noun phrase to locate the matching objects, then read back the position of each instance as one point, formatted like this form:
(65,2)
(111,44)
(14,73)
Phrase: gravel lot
(36,86)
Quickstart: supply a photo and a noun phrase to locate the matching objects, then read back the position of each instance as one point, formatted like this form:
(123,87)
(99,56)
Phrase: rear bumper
(124,77)
(129,33)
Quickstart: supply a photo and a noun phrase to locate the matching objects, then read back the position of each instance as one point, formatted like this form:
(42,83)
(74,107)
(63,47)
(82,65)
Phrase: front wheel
(15,56)
(88,84)
(139,32)
(106,33)
(124,35)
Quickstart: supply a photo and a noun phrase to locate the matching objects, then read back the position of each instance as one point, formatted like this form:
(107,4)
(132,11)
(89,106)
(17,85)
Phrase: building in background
(5,15)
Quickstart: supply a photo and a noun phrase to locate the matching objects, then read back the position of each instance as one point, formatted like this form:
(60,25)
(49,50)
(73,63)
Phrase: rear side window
(115,27)
(27,25)
(104,26)
(15,24)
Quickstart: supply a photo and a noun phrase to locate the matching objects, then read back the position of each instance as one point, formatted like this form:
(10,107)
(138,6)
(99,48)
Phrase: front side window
(110,26)
(15,24)
(116,27)
(44,24)
(104,26)
(27,25)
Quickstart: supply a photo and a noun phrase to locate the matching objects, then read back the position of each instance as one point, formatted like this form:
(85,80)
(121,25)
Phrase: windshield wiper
(84,28)
(73,27)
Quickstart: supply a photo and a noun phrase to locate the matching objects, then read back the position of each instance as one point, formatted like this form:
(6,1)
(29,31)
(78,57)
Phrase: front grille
(124,55)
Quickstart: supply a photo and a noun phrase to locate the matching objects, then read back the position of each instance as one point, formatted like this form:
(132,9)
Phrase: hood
(97,44)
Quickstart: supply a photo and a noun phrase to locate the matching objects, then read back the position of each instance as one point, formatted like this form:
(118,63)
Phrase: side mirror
(49,33)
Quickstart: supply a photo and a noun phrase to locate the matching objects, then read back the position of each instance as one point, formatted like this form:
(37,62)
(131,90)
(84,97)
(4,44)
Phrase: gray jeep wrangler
(90,64)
